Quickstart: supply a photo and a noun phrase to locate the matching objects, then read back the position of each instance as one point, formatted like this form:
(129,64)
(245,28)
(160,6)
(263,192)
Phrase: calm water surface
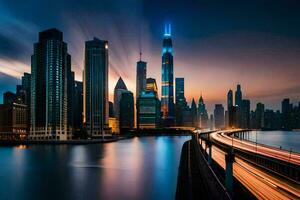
(286,139)
(139,168)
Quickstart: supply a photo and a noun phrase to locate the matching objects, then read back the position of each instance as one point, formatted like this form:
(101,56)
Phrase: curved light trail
(222,137)
(261,184)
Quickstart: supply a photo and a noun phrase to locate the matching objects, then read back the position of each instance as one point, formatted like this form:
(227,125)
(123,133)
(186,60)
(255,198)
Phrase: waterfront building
(219,116)
(13,121)
(141,81)
(119,89)
(286,109)
(180,101)
(96,87)
(50,70)
(167,97)
(141,74)
(126,116)
(78,106)
(71,99)
(114,125)
(111,109)
(272,120)
(148,110)
(9,97)
(26,97)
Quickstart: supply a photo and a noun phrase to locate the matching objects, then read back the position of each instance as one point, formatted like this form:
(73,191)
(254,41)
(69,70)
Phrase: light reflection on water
(138,168)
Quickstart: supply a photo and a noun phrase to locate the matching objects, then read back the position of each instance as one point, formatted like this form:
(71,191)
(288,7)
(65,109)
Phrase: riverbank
(94,141)
(58,142)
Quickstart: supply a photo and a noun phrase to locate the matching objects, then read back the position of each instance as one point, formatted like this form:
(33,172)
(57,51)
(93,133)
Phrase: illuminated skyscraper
(167,97)
(148,106)
(50,70)
(179,90)
(151,85)
(96,87)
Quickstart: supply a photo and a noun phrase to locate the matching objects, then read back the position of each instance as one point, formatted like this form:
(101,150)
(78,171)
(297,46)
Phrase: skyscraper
(50,70)
(180,101)
(151,85)
(238,105)
(148,108)
(245,113)
(202,114)
(238,96)
(141,77)
(179,90)
(230,109)
(219,116)
(167,98)
(78,106)
(286,109)
(194,113)
(259,115)
(119,89)
(141,74)
(26,87)
(96,87)
(71,99)
(126,117)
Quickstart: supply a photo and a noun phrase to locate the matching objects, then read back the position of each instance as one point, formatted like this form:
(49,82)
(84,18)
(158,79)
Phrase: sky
(216,44)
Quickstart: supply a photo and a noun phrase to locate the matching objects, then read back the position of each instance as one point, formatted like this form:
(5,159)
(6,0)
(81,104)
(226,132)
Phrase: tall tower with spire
(141,76)
(167,97)
(141,79)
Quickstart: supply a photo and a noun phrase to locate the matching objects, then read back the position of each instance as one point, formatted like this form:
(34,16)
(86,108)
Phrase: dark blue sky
(216,43)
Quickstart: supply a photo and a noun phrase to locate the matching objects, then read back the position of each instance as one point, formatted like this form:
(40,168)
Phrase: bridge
(244,169)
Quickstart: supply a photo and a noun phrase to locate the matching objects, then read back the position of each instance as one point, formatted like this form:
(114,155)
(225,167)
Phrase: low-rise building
(13,121)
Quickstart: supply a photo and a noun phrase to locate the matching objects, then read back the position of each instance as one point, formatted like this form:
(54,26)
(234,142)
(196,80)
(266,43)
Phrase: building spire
(140,55)
(167,30)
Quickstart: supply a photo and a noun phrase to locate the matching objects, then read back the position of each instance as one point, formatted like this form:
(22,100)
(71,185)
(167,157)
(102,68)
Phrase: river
(289,140)
(138,168)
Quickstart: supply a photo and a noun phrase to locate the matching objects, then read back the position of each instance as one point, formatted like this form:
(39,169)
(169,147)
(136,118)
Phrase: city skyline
(223,51)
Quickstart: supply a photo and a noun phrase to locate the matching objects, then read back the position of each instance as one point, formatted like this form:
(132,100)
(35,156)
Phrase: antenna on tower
(167,30)
(140,55)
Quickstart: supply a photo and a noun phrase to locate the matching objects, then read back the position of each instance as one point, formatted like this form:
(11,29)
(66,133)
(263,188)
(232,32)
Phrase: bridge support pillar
(209,159)
(229,159)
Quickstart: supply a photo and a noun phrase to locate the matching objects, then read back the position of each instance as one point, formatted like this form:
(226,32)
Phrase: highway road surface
(261,184)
